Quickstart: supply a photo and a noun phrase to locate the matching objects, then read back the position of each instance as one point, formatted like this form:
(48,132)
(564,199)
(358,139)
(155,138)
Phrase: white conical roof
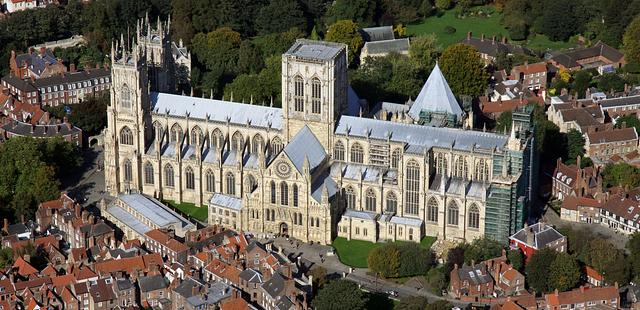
(435,96)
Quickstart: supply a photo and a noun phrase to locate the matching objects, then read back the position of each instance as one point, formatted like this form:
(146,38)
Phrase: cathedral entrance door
(284,229)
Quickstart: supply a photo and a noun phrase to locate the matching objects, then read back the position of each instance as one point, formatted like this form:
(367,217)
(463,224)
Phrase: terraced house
(315,168)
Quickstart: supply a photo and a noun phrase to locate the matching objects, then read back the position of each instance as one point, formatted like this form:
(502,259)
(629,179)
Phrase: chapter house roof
(435,96)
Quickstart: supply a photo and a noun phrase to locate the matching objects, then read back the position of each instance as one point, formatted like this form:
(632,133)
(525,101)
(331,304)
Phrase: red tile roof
(24,269)
(609,136)
(581,295)
(531,68)
(572,203)
(592,273)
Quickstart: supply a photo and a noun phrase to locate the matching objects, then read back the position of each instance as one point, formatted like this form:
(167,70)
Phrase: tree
(575,144)
(262,87)
(604,257)
(385,260)
(581,81)
(537,269)
(443,4)
(503,123)
(436,280)
(633,246)
(516,259)
(455,256)
(558,20)
(464,70)
(628,121)
(249,58)
(319,275)
(631,41)
(280,15)
(340,295)
(414,259)
(347,32)
(181,24)
(482,249)
(6,257)
(361,11)
(425,50)
(218,50)
(564,273)
(412,303)
(621,174)
(610,81)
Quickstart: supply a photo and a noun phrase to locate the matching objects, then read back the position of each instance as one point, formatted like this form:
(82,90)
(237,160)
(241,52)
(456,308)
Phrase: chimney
(30,50)
(581,288)
(43,50)
(72,67)
(78,210)
(5,226)
(578,161)
(526,64)
(623,125)
(469,35)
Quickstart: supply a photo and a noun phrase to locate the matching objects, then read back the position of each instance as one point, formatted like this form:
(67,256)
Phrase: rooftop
(315,50)
(435,96)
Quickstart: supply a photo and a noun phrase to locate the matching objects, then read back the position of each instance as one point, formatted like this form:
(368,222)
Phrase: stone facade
(295,169)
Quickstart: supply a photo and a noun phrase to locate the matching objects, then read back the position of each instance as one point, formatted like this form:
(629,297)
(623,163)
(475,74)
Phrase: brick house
(73,87)
(153,290)
(102,295)
(21,90)
(584,298)
(532,76)
(580,209)
(604,144)
(600,56)
(471,281)
(570,180)
(35,65)
(161,242)
(538,236)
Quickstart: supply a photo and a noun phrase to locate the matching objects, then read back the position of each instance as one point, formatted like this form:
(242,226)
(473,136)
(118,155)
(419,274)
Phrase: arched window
(395,159)
(191,183)
(474,217)
(273,192)
(237,141)
(148,173)
(452,213)
(284,194)
(125,97)
(441,164)
(250,183)
(158,130)
(257,145)
(461,168)
(273,215)
(392,202)
(370,202)
(432,210)
(412,188)
(298,94)
(128,170)
(316,87)
(295,195)
(211,181)
(482,170)
(357,153)
(338,151)
(126,136)
(168,175)
(196,136)
(350,197)
(317,222)
(176,133)
(217,139)
(276,145)
(231,183)
(267,215)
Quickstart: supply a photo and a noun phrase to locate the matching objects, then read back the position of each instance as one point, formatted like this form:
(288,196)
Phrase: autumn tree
(424,50)
(564,273)
(537,269)
(464,70)
(385,260)
(347,32)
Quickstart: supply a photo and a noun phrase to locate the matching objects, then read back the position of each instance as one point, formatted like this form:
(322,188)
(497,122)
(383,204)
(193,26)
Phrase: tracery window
(392,202)
(126,136)
(452,213)
(370,201)
(190,178)
(211,181)
(412,188)
(298,95)
(357,153)
(315,95)
(231,183)
(148,173)
(350,197)
(338,151)
(128,170)
(168,176)
(474,217)
(432,210)
(284,194)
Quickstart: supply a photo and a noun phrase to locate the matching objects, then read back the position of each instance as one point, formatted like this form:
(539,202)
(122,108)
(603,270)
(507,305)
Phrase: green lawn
(490,26)
(199,213)
(354,253)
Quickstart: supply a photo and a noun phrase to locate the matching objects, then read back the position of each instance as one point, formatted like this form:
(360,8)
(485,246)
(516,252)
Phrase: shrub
(449,30)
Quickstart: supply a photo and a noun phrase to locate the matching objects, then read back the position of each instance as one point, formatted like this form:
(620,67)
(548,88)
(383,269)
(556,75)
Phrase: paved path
(616,238)
(334,267)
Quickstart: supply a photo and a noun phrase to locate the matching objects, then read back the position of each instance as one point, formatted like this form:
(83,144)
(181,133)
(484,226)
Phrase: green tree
(631,41)
(628,121)
(537,269)
(558,20)
(414,259)
(436,280)
(385,260)
(361,11)
(581,82)
(633,246)
(464,70)
(610,81)
(6,257)
(443,4)
(516,259)
(564,273)
(575,144)
(280,15)
(425,50)
(319,275)
(249,58)
(181,24)
(604,257)
(503,123)
(218,50)
(621,174)
(340,295)
(261,87)
(347,32)
(482,249)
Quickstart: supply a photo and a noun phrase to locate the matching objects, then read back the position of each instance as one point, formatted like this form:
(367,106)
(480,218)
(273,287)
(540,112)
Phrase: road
(368,282)
(86,185)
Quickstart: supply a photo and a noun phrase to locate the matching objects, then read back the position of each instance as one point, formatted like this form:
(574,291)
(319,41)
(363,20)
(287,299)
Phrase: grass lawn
(539,42)
(354,253)
(199,213)
(490,26)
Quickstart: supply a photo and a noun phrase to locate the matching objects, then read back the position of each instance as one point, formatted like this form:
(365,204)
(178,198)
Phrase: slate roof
(387,46)
(152,283)
(377,33)
(619,101)
(226,201)
(39,131)
(217,110)
(475,275)
(314,50)
(154,210)
(305,145)
(251,275)
(35,61)
(424,136)
(365,215)
(275,286)
(570,58)
(16,229)
(19,83)
(435,96)
(72,77)
(323,181)
(543,234)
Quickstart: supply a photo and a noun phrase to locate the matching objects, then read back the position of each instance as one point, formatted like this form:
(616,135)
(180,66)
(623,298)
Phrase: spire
(436,96)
